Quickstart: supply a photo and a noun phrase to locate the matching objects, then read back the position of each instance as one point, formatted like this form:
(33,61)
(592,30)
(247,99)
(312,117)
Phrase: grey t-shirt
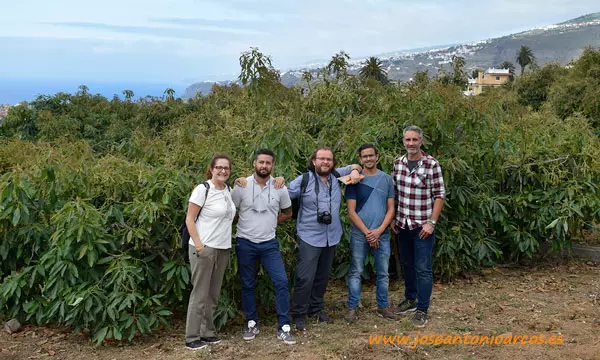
(258,209)
(412,164)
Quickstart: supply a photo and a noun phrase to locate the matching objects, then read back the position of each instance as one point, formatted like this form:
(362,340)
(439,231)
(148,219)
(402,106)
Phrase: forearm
(284,215)
(355,167)
(191,226)
(389,216)
(357,221)
(438,204)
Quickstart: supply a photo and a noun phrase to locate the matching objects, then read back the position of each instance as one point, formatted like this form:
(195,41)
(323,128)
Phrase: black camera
(324,217)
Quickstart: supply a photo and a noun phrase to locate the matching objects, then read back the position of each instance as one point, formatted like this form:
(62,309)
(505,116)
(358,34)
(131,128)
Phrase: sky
(185,41)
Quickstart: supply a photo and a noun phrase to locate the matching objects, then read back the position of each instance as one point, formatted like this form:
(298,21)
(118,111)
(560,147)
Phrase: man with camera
(319,230)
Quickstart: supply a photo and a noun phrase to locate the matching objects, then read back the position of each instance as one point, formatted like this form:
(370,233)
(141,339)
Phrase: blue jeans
(415,258)
(270,257)
(360,248)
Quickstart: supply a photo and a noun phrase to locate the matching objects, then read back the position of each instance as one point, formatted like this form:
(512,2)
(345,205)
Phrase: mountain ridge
(560,43)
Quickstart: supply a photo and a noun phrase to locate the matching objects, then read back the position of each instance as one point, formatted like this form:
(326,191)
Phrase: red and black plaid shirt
(416,190)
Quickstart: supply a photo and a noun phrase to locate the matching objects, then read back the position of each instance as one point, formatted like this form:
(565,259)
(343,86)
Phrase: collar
(424,157)
(252,179)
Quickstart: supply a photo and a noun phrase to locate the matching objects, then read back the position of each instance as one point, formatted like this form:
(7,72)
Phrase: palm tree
(373,69)
(525,57)
(510,66)
(170,94)
(128,94)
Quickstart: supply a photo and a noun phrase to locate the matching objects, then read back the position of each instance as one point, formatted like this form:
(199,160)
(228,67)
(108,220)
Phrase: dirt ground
(548,298)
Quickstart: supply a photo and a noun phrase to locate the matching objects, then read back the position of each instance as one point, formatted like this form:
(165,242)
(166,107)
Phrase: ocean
(13,91)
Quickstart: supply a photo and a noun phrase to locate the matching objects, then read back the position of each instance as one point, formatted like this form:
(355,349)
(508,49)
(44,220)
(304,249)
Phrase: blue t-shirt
(371,196)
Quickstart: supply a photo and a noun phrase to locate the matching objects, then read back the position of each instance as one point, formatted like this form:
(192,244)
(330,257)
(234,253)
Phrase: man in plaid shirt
(420,192)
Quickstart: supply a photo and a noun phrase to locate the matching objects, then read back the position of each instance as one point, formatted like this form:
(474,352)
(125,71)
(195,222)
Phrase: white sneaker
(285,335)
(252,330)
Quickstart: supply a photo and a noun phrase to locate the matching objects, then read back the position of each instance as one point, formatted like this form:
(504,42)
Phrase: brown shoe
(388,314)
(351,315)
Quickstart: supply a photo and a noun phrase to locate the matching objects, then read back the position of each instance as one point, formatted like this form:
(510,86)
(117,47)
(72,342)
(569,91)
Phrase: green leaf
(16,217)
(185,275)
(100,335)
(552,224)
(164,312)
(117,333)
(77,301)
(169,265)
(111,313)
(82,251)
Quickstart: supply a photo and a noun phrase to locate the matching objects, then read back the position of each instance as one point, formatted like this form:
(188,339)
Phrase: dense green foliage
(92,190)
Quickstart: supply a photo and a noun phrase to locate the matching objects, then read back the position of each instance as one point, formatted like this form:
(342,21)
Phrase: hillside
(554,43)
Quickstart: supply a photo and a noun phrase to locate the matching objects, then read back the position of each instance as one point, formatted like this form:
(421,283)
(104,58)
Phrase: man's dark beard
(261,175)
(323,173)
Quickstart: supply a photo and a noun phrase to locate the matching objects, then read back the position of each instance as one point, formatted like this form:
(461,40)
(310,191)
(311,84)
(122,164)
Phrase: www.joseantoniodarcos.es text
(468,339)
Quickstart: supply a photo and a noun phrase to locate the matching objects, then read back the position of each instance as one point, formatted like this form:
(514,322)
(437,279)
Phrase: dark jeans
(270,257)
(312,275)
(415,258)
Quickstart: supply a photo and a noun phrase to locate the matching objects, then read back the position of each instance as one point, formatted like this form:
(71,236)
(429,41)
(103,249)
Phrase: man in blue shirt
(318,230)
(371,209)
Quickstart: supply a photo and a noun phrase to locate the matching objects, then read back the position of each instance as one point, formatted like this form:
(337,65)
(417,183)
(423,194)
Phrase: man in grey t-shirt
(259,204)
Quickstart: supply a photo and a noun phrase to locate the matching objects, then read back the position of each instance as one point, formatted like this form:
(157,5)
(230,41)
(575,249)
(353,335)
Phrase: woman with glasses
(209,218)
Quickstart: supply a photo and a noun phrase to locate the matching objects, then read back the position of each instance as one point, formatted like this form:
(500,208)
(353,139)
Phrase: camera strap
(318,185)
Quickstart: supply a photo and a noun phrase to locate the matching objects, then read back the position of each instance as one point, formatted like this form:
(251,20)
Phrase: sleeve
(284,198)
(395,172)
(198,196)
(351,192)
(294,189)
(343,171)
(391,192)
(236,195)
(437,179)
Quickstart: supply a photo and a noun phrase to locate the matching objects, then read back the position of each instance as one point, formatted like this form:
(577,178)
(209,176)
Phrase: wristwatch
(431,221)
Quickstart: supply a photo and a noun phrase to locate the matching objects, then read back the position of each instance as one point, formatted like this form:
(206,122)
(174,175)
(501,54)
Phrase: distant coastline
(13,91)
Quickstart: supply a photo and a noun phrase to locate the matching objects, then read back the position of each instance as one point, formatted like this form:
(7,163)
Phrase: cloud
(151,39)
(228,23)
(199,32)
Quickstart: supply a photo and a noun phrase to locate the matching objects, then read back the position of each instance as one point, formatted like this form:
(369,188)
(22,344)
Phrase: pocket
(420,180)
(204,254)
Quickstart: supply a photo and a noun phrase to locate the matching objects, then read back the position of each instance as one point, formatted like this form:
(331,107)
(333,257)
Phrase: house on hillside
(489,78)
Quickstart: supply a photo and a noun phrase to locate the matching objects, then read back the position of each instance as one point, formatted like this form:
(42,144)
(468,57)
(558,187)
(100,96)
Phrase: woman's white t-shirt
(216,217)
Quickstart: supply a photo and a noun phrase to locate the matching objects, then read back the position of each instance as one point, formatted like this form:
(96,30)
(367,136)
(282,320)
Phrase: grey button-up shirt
(307,227)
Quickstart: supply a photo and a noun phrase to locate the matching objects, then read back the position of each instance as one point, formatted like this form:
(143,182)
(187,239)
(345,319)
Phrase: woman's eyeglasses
(222,168)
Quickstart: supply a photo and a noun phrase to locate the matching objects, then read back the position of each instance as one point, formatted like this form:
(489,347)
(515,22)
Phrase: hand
(241,181)
(279,182)
(355,177)
(373,235)
(374,244)
(394,226)
(199,249)
(426,230)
